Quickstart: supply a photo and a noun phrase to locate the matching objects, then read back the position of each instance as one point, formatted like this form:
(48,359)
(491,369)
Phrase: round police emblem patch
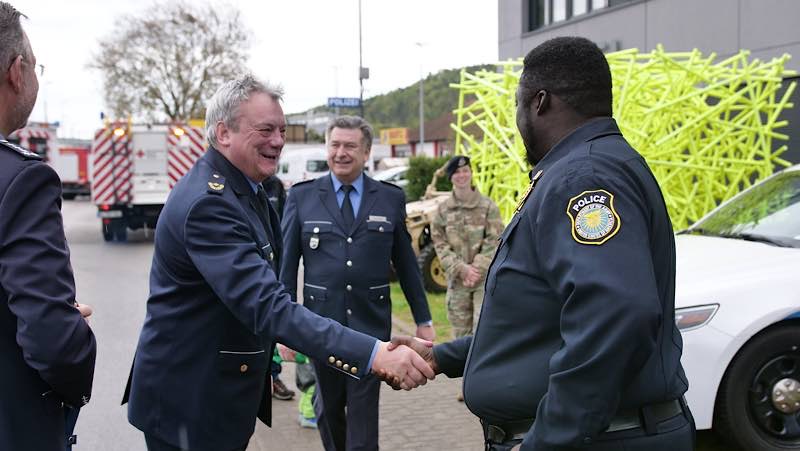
(594,220)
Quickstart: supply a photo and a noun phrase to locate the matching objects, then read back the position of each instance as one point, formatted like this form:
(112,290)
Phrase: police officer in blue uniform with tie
(216,307)
(349,228)
(577,348)
(47,350)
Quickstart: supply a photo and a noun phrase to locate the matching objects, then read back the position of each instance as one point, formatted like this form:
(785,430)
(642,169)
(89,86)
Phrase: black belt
(505,432)
(645,417)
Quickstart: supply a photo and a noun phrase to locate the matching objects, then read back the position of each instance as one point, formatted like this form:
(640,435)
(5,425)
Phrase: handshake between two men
(402,363)
(423,364)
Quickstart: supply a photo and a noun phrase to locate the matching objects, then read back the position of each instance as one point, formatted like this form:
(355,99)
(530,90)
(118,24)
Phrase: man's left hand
(426,332)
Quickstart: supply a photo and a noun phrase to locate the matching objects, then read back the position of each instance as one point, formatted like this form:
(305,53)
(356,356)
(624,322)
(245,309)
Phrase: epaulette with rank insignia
(27,154)
(216,183)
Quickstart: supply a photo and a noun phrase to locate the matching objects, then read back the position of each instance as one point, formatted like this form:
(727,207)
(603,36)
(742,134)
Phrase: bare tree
(168,61)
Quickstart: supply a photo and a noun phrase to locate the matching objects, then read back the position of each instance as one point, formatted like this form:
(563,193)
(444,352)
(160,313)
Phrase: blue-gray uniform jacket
(47,350)
(347,271)
(578,319)
(215,310)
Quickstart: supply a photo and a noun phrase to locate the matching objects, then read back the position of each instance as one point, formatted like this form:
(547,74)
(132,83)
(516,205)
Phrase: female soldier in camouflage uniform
(465,231)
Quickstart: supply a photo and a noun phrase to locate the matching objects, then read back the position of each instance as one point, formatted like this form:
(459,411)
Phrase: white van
(302,163)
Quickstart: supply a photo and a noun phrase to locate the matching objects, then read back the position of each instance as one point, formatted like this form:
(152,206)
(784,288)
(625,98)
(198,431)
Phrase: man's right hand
(400,364)
(422,347)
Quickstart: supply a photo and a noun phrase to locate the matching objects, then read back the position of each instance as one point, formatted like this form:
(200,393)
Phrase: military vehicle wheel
(432,272)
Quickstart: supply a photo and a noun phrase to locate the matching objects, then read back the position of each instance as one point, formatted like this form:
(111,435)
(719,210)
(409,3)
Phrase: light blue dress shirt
(355,195)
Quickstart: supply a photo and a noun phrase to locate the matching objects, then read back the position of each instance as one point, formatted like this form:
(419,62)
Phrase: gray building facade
(767,28)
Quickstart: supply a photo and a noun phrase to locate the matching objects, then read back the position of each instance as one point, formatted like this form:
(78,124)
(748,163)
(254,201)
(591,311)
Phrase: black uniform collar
(592,129)
(234,177)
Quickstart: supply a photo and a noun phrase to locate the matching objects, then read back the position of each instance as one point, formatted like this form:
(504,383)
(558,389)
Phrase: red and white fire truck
(69,157)
(134,167)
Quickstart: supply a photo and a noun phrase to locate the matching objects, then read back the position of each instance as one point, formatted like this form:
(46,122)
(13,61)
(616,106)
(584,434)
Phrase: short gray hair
(12,42)
(224,104)
(351,122)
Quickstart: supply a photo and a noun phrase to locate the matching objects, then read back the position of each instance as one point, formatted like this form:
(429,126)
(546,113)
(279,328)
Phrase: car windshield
(769,213)
(316,166)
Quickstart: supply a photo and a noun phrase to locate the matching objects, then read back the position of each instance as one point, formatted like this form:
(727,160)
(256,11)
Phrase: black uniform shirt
(577,321)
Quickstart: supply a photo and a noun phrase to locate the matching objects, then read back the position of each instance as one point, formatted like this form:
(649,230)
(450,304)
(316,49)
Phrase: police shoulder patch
(216,183)
(594,220)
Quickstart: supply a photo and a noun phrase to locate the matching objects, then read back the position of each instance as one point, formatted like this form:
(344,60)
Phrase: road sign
(346,102)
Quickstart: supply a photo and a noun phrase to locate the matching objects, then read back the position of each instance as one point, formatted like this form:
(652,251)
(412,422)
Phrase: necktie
(263,207)
(347,207)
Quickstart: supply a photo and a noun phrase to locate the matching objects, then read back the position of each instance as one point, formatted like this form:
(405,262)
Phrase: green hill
(400,108)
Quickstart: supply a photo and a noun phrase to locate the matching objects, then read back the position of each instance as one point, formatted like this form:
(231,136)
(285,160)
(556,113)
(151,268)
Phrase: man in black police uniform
(578,319)
(216,308)
(47,351)
(348,228)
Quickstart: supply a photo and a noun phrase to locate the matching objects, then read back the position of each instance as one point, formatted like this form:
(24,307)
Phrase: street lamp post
(361,71)
(421,102)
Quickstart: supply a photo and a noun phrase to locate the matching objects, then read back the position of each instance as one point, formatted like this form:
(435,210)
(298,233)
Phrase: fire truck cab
(69,157)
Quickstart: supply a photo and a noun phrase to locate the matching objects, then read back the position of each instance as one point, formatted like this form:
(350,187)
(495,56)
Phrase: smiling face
(254,148)
(347,153)
(462,178)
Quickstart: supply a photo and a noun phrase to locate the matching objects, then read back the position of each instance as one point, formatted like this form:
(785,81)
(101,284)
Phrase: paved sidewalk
(428,418)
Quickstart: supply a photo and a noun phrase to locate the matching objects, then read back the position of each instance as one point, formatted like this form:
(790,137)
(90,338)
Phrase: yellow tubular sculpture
(705,128)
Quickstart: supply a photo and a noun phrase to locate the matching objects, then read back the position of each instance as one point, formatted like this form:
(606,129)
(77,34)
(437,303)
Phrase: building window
(537,14)
(545,12)
(580,7)
(560,10)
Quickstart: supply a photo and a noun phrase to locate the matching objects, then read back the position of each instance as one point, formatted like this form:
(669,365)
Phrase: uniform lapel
(243,189)
(367,200)
(328,199)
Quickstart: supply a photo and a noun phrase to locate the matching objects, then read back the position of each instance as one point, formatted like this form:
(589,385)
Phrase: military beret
(455,163)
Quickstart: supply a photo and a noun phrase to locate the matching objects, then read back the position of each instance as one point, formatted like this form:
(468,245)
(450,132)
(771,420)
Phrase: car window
(770,209)
(316,165)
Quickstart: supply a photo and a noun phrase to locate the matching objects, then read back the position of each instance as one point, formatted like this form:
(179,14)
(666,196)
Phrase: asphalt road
(112,278)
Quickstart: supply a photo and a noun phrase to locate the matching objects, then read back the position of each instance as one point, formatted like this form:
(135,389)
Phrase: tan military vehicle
(419,215)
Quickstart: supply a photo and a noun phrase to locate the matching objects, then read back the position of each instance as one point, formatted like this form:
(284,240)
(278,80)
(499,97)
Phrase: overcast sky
(308,46)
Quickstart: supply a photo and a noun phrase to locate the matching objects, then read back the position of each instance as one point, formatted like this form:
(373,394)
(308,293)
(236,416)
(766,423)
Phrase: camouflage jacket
(466,232)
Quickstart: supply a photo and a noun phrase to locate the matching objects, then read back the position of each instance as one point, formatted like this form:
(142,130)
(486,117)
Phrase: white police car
(738,307)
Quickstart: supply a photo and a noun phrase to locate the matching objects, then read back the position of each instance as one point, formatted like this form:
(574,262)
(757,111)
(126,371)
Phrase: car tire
(745,414)
(108,232)
(120,230)
(116,230)
(433,275)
